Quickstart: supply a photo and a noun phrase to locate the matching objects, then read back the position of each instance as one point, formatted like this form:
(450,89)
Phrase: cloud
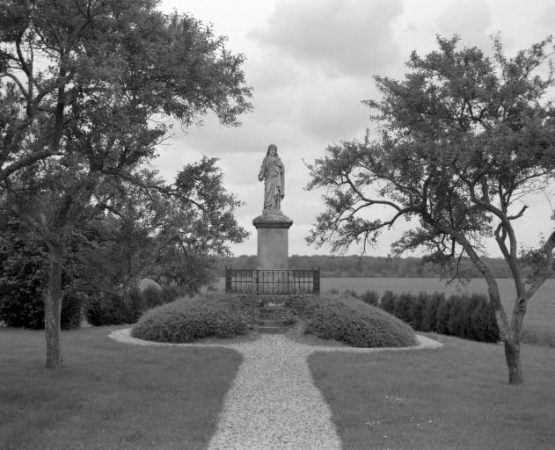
(333,111)
(342,37)
(471,20)
(548,18)
(470,16)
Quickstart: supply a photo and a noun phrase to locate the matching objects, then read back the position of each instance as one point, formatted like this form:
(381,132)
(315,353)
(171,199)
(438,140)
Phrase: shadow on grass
(109,395)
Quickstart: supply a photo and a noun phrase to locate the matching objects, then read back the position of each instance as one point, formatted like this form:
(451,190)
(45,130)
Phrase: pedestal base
(273,246)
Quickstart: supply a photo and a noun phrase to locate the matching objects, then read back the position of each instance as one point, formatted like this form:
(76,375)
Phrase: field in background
(541,309)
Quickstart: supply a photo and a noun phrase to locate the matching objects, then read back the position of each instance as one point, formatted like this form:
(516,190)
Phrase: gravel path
(273,403)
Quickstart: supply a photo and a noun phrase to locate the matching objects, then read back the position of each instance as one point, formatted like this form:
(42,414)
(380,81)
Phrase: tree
(149,229)
(84,85)
(462,139)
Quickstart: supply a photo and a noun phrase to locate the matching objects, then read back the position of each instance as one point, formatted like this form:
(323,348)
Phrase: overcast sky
(311,64)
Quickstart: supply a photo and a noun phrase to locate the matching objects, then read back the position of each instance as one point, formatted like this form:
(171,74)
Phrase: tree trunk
(53,308)
(512,355)
(512,344)
(509,333)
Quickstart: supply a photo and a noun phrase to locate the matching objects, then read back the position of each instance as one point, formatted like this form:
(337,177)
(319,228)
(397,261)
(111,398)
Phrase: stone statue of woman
(273,174)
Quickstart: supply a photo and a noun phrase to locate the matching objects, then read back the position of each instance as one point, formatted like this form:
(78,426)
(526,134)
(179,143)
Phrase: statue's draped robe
(273,173)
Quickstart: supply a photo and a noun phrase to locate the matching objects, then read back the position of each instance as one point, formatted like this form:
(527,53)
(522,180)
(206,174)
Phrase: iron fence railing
(266,281)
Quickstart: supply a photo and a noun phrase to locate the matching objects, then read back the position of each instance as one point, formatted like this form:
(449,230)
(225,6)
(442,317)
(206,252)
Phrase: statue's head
(272,150)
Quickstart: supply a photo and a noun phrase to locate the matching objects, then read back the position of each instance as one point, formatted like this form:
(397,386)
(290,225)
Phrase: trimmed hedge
(465,316)
(219,315)
(190,319)
(352,321)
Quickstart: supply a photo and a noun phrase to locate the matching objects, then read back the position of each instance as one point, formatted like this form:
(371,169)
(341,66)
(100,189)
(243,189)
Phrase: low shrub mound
(353,322)
(190,319)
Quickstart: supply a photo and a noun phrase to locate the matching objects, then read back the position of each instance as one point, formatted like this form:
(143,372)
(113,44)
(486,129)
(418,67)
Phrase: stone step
(273,330)
(273,315)
(272,308)
(273,318)
(273,311)
(274,304)
(274,322)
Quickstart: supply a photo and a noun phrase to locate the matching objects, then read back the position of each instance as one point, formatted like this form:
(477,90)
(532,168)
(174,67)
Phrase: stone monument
(273,226)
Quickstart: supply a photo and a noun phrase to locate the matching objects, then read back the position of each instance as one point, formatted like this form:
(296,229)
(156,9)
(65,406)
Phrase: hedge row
(465,316)
(108,309)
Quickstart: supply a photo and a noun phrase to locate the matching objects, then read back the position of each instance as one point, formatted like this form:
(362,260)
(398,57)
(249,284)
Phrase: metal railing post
(316,281)
(228,273)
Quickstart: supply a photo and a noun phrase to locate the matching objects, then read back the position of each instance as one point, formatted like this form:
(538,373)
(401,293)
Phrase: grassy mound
(349,320)
(190,319)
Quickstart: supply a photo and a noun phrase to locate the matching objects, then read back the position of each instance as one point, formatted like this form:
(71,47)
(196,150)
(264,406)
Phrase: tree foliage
(24,276)
(84,88)
(462,139)
(170,233)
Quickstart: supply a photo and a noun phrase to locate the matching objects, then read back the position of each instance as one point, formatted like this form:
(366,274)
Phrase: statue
(273,174)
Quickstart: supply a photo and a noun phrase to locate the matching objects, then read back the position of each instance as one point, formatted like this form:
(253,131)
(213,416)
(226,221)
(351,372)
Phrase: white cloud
(342,37)
(463,18)
(471,20)
(334,111)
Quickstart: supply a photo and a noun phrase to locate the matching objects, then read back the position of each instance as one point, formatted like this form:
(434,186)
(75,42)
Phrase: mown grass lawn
(456,397)
(117,396)
(109,395)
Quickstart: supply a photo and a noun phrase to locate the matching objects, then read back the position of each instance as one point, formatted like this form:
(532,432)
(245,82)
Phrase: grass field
(112,396)
(109,396)
(452,398)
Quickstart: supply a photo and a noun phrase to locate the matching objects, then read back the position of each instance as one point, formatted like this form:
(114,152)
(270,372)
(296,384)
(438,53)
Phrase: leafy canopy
(462,138)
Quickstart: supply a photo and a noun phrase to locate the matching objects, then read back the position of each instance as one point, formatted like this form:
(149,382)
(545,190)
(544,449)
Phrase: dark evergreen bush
(111,309)
(485,325)
(457,312)
(26,310)
(403,306)
(23,279)
(465,316)
(371,298)
(153,296)
(387,302)
(351,293)
(72,311)
(172,293)
(442,316)
(429,311)
(468,326)
(416,309)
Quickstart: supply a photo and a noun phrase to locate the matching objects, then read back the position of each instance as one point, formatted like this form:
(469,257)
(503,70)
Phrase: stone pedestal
(273,246)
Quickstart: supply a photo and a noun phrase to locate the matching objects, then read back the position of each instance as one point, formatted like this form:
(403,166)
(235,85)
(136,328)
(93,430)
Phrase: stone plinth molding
(273,246)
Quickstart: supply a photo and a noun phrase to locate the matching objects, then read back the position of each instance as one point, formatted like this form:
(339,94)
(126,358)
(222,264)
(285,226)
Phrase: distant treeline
(355,266)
